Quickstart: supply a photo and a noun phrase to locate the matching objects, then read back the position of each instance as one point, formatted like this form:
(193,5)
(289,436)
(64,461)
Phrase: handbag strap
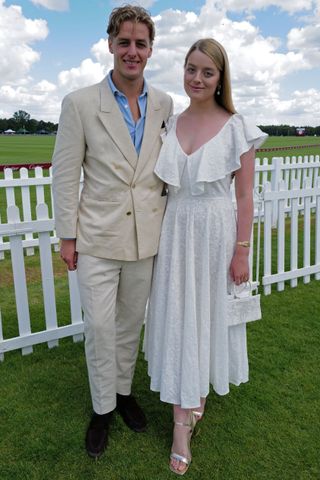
(243,289)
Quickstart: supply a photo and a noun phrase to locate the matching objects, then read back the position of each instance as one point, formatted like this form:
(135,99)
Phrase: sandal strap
(197,413)
(180,458)
(181,424)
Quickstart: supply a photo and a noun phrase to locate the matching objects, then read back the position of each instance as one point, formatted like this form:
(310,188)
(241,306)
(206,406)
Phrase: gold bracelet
(245,243)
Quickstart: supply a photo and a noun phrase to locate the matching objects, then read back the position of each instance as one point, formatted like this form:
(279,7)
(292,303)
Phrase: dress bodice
(218,189)
(207,170)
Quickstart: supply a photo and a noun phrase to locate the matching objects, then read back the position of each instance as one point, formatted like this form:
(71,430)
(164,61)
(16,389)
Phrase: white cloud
(17,33)
(40,103)
(86,74)
(290,6)
(307,41)
(253,58)
(45,87)
(101,53)
(59,5)
(259,64)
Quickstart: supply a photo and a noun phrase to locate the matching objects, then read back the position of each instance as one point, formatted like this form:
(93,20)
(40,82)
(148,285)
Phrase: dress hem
(221,394)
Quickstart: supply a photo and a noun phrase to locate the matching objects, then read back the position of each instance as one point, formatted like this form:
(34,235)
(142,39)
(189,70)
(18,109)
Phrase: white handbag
(242,306)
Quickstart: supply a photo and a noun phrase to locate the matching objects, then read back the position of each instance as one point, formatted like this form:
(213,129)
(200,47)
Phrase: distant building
(300,131)
(42,132)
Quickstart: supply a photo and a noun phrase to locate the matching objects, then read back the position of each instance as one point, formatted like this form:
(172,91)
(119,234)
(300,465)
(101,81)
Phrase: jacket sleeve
(68,156)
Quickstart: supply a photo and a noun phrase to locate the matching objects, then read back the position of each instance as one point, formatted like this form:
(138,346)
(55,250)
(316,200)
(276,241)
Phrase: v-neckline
(205,143)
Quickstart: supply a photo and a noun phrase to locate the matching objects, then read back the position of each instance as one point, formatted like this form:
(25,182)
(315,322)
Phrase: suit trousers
(113,295)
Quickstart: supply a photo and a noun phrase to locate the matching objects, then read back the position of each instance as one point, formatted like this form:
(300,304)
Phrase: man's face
(131,49)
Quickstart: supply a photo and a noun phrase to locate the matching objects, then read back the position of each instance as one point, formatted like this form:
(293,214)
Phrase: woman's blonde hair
(218,55)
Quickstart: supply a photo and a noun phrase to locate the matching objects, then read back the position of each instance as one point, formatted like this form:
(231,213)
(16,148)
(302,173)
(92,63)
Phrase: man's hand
(68,253)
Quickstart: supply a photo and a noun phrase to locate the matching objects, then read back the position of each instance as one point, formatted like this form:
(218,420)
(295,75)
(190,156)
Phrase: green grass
(273,142)
(15,149)
(266,429)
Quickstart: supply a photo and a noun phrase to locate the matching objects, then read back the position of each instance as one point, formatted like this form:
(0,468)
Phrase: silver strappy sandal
(177,456)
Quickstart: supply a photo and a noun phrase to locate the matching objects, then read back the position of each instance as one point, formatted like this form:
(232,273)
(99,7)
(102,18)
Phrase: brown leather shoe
(97,434)
(131,413)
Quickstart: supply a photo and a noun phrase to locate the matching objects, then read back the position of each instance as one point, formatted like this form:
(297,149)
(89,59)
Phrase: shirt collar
(116,91)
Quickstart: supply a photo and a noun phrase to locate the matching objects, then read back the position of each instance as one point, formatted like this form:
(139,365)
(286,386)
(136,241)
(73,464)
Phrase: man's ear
(110,45)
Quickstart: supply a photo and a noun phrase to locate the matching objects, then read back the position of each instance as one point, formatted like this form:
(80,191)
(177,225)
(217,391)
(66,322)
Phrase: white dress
(188,343)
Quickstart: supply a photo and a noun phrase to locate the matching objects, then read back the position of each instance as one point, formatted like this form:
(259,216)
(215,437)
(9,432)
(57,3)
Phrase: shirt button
(133,185)
(129,213)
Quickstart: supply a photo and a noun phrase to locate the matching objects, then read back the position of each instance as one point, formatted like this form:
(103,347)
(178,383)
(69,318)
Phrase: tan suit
(116,224)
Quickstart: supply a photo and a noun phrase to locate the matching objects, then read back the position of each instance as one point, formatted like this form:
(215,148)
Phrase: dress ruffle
(216,159)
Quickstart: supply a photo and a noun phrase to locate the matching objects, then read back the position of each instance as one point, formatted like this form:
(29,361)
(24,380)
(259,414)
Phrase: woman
(203,247)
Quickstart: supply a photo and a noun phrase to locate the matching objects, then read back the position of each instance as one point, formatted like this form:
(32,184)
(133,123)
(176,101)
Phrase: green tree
(21,118)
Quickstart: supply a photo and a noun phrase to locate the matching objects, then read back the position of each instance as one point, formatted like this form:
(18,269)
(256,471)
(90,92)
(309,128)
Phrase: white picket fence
(280,169)
(21,187)
(307,201)
(290,170)
(24,230)
(16,230)
(287,169)
(18,191)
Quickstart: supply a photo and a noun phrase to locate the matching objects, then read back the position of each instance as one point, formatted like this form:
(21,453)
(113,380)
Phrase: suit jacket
(120,210)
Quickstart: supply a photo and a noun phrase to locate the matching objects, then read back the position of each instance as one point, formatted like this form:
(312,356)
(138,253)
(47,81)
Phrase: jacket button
(129,213)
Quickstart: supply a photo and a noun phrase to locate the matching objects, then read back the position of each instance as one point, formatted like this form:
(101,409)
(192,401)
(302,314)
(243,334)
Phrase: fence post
(26,207)
(267,243)
(56,245)
(306,229)
(281,235)
(19,278)
(47,276)
(295,185)
(276,177)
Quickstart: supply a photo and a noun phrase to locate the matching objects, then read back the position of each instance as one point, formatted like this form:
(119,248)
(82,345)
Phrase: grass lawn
(266,429)
(26,148)
(17,149)
(273,142)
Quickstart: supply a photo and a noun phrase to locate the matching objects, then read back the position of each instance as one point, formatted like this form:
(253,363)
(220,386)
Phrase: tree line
(288,130)
(21,122)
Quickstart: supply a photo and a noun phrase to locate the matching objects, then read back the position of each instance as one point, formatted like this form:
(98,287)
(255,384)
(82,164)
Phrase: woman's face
(201,77)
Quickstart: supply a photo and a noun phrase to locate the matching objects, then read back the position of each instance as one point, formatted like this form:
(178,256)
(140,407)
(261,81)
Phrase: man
(112,130)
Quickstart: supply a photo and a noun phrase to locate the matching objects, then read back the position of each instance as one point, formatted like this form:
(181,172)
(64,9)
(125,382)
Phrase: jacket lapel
(113,121)
(154,119)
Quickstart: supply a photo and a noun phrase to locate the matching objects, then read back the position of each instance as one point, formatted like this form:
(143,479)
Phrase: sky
(51,47)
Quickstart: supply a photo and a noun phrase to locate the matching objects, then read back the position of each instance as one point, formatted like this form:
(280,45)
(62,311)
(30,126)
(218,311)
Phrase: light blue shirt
(136,129)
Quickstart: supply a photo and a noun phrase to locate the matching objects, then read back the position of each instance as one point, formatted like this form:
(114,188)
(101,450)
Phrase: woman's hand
(239,267)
